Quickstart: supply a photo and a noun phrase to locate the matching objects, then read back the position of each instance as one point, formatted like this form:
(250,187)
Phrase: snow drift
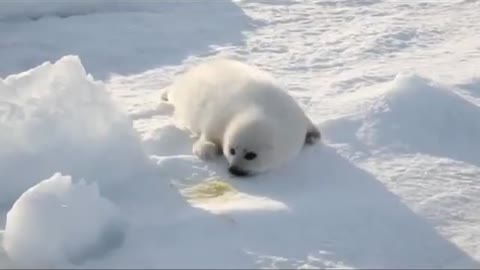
(419,115)
(55,117)
(57,222)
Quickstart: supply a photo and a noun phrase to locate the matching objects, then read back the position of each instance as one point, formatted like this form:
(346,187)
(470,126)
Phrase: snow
(59,119)
(218,197)
(444,122)
(393,86)
(58,221)
(151,34)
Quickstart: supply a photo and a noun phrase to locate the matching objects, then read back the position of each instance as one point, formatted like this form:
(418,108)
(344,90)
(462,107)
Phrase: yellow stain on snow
(210,189)
(218,196)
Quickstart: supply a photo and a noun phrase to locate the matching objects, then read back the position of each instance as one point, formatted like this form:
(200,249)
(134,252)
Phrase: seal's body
(241,111)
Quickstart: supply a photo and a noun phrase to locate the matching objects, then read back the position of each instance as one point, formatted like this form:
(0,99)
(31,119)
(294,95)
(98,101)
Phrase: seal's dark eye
(250,155)
(232,151)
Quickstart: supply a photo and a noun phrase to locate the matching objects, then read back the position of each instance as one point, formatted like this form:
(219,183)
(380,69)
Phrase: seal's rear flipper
(164,94)
(313,135)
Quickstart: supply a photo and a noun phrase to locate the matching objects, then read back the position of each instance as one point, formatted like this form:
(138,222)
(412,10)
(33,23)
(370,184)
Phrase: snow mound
(57,118)
(58,222)
(419,115)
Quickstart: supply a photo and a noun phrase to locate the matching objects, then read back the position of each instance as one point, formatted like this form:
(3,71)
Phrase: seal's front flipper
(205,149)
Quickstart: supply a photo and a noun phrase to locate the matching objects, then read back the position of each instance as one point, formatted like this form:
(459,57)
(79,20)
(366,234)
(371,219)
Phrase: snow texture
(393,86)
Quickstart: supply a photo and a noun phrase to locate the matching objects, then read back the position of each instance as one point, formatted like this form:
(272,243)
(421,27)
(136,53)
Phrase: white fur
(228,104)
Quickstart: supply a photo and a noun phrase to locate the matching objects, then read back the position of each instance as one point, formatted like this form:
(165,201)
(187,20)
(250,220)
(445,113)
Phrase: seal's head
(248,145)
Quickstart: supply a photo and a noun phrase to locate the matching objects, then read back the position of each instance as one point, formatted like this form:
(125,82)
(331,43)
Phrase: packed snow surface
(393,86)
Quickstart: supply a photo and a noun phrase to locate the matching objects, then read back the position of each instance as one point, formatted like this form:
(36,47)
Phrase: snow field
(392,85)
(338,232)
(140,35)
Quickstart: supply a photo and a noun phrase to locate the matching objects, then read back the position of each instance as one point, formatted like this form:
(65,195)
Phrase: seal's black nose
(237,171)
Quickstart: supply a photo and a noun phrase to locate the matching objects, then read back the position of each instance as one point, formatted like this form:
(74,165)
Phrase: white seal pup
(240,111)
